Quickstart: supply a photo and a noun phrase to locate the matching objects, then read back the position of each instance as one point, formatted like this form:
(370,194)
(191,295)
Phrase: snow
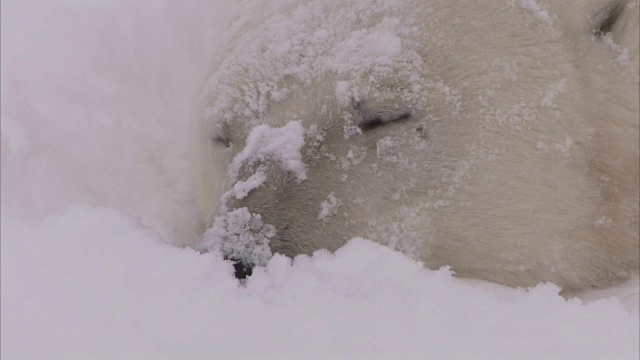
(623,58)
(242,188)
(550,95)
(308,40)
(282,145)
(90,283)
(240,234)
(329,207)
(538,10)
(96,101)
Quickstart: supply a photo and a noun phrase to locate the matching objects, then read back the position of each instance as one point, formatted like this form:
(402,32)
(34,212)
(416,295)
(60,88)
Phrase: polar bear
(497,137)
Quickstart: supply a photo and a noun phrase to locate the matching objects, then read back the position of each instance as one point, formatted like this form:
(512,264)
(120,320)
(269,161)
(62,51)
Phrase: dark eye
(373,116)
(221,141)
(221,135)
(606,18)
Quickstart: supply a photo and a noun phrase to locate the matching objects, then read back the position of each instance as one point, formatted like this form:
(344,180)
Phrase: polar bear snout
(290,206)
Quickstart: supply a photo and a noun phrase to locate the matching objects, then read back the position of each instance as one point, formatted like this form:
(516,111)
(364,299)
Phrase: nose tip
(242,269)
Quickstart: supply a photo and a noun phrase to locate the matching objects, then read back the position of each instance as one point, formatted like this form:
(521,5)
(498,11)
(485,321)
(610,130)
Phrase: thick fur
(498,137)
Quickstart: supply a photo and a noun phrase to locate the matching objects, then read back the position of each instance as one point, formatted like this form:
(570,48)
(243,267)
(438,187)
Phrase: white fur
(519,163)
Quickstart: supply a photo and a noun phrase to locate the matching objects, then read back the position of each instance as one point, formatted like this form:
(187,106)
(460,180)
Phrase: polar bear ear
(374,115)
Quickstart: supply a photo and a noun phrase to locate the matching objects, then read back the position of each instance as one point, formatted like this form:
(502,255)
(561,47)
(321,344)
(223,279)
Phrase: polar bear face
(497,137)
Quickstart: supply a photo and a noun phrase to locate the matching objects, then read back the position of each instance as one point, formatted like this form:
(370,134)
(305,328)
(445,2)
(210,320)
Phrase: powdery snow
(329,207)
(538,10)
(90,283)
(242,188)
(94,184)
(240,234)
(282,145)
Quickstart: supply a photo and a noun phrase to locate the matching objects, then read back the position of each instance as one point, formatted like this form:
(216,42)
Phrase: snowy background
(96,102)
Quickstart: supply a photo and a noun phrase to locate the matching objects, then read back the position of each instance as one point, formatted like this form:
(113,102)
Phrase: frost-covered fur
(499,137)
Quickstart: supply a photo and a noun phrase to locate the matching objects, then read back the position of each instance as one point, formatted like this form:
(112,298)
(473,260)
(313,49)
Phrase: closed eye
(374,122)
(606,19)
(221,141)
(373,116)
(221,135)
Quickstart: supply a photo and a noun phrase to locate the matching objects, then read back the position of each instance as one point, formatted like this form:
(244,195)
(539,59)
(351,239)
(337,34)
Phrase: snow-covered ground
(96,101)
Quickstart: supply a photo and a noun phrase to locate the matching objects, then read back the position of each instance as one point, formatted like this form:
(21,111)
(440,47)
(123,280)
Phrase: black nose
(242,268)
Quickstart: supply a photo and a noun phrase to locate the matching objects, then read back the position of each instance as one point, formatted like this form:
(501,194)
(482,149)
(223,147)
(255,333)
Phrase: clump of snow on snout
(539,11)
(240,234)
(329,207)
(241,189)
(282,145)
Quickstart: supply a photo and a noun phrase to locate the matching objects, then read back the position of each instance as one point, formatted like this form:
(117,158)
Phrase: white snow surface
(96,101)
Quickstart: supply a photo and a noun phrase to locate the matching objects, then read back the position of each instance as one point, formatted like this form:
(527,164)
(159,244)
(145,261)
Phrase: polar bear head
(499,137)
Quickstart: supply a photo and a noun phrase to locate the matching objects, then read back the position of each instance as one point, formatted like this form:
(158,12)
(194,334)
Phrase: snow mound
(90,282)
